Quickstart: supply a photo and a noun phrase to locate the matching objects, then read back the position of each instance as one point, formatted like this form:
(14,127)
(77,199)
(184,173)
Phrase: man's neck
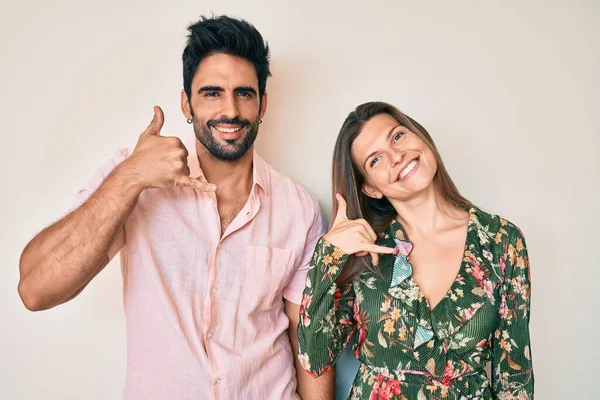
(231,177)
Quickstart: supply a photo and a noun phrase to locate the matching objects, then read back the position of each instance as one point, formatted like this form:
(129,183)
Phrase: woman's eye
(397,136)
(374,162)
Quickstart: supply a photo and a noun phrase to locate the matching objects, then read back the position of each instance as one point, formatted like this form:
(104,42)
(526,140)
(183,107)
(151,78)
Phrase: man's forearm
(58,263)
(309,388)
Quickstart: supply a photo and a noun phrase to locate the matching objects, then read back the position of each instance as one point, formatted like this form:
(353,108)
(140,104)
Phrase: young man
(213,272)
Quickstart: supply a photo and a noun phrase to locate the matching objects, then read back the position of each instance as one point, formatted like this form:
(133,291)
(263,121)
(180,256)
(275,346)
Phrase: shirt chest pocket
(268,270)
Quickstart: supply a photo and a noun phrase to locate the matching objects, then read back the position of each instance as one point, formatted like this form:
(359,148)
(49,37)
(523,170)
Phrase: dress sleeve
(511,363)
(326,313)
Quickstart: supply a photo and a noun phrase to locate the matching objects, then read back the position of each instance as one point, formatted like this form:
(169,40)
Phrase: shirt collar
(260,175)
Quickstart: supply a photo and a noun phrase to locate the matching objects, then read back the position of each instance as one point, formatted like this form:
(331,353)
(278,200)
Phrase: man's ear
(185,105)
(263,106)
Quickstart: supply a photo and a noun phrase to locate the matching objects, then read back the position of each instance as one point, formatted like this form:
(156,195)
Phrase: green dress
(409,351)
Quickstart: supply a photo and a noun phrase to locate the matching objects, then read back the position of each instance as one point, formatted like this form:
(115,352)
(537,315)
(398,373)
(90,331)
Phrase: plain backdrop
(509,90)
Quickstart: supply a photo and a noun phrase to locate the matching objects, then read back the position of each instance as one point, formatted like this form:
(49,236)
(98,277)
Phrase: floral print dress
(408,350)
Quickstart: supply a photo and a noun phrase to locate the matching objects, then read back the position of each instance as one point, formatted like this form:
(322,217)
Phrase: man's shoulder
(107,167)
(284,188)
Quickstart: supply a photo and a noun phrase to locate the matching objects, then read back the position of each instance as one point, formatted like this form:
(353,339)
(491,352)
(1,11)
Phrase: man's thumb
(157,122)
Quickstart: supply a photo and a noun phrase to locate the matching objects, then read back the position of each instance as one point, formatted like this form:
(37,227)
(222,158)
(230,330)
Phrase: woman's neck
(426,214)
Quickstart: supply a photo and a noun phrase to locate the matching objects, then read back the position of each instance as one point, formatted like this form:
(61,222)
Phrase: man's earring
(260,121)
(189,120)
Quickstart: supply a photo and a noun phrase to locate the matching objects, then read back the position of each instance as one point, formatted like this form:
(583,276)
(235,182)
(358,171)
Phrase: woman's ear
(371,192)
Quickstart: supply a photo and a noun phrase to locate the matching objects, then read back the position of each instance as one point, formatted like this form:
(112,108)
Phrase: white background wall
(509,90)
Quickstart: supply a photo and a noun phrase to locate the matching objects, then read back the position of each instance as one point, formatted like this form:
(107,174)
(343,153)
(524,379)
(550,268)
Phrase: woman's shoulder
(495,226)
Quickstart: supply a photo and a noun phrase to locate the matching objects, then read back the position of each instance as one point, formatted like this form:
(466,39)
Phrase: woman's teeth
(408,168)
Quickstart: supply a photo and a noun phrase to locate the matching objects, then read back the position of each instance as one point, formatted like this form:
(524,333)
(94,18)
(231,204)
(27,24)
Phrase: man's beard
(232,151)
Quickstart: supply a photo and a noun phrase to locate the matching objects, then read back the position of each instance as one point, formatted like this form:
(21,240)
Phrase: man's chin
(226,149)
(228,152)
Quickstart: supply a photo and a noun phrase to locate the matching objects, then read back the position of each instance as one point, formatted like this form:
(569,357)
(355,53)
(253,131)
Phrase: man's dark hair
(225,35)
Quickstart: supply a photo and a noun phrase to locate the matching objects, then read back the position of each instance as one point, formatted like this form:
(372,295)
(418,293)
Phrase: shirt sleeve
(512,370)
(293,291)
(86,192)
(326,313)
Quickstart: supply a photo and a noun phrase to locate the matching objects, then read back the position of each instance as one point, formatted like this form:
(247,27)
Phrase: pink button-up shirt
(204,311)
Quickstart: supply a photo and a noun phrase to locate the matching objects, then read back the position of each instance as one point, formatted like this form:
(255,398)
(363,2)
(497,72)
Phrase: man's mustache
(228,121)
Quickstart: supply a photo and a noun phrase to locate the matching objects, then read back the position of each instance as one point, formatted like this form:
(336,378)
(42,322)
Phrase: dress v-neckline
(461,269)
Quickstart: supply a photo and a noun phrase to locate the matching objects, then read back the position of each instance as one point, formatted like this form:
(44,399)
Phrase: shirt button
(218,380)
(214,290)
(210,334)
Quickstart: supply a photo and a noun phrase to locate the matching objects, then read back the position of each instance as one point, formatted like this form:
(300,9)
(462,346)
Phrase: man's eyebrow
(210,88)
(248,89)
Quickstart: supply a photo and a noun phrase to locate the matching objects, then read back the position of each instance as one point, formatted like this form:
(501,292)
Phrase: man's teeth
(227,130)
(408,168)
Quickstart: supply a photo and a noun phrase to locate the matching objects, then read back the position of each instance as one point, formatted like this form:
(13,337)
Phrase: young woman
(435,286)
